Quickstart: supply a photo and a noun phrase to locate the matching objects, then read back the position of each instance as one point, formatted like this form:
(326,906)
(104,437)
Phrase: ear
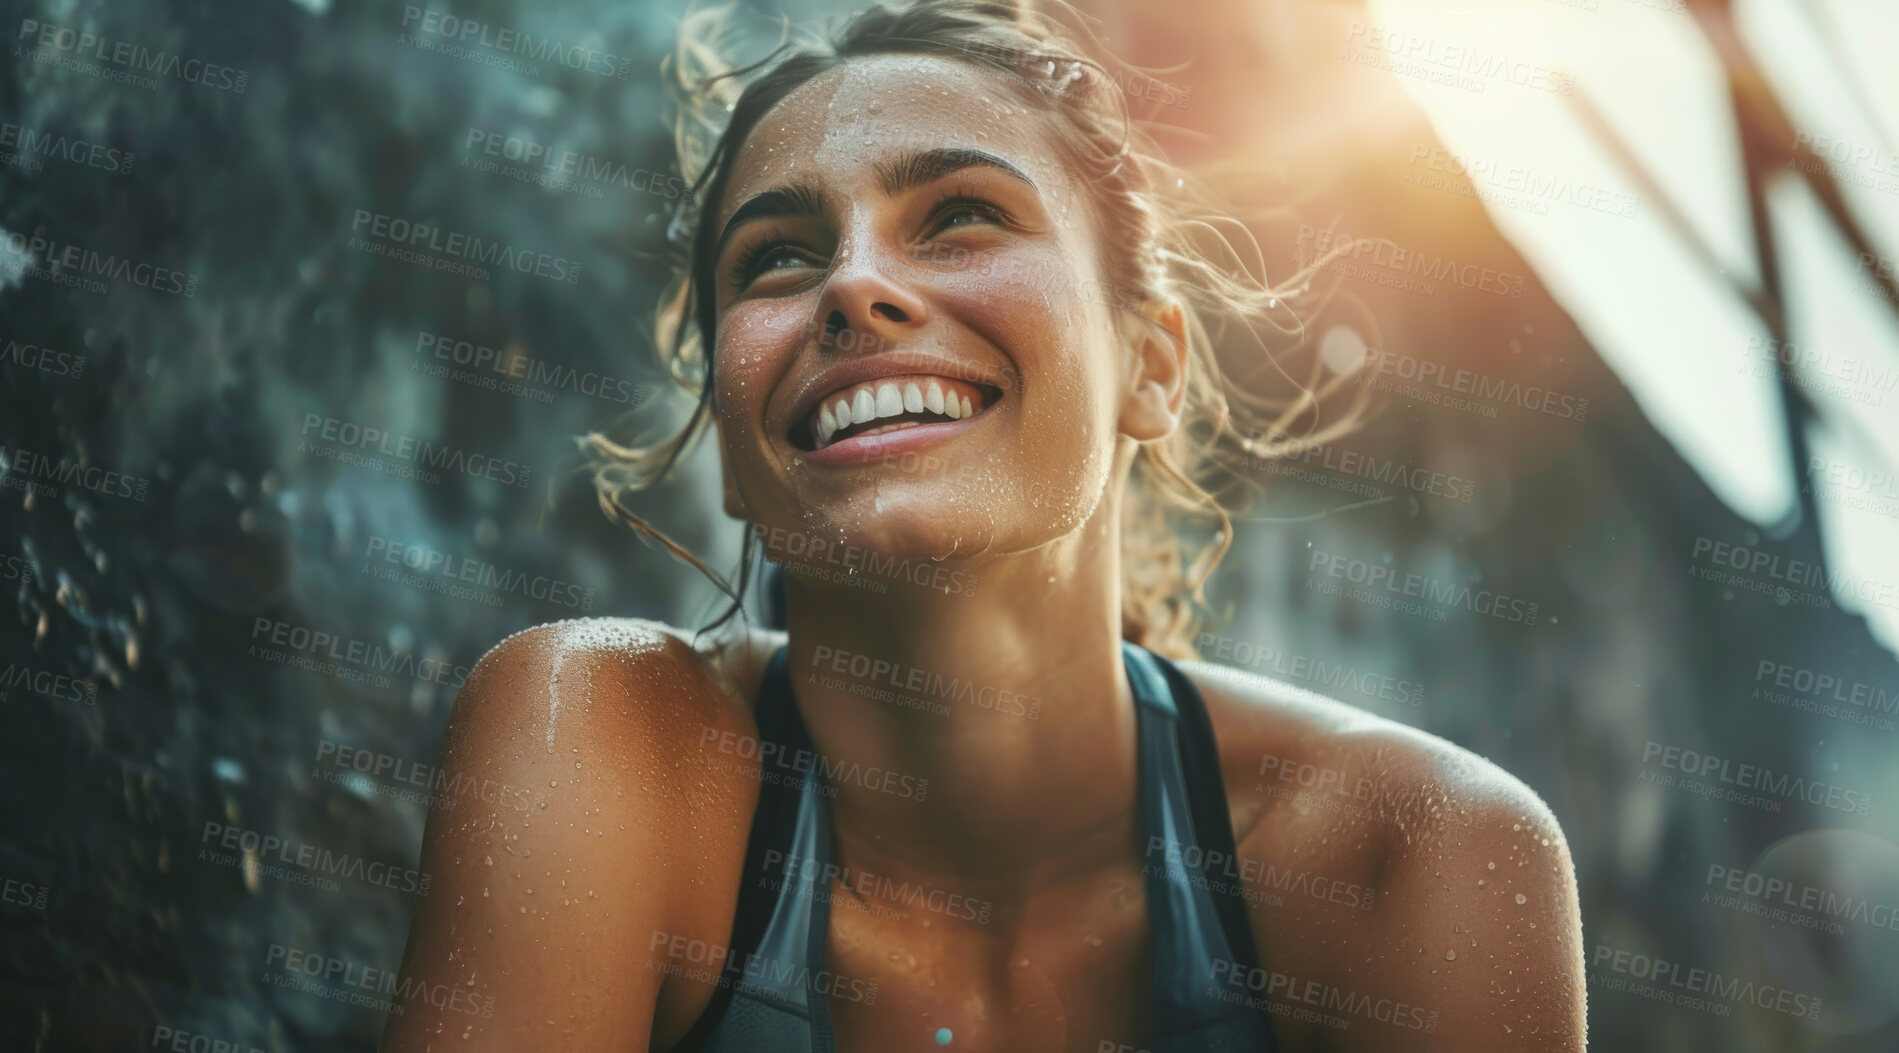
(1159,382)
(734,504)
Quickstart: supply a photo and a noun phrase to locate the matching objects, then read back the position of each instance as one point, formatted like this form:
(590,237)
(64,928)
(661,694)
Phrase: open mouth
(891,404)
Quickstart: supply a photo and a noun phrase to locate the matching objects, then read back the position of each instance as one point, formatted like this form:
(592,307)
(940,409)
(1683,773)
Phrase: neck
(989,730)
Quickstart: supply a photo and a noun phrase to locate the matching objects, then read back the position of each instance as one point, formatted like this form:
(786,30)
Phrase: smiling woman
(1138,247)
(938,240)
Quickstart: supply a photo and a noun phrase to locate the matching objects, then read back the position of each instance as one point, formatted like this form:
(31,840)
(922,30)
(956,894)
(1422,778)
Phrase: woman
(950,331)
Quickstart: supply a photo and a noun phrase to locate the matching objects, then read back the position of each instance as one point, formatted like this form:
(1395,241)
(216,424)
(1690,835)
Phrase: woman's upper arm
(574,778)
(1410,894)
(1476,921)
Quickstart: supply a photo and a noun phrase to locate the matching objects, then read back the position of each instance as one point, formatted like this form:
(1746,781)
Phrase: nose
(867,303)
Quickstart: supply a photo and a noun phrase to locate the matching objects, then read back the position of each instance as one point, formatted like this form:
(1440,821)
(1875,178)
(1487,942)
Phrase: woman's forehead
(840,124)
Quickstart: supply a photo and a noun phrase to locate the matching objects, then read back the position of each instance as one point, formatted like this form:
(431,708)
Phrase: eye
(762,258)
(963,206)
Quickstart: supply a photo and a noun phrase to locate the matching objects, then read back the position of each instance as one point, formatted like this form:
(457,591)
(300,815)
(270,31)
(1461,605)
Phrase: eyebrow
(911,170)
(783,201)
(926,166)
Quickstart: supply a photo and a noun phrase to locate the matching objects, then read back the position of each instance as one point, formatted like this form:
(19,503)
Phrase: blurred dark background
(218,374)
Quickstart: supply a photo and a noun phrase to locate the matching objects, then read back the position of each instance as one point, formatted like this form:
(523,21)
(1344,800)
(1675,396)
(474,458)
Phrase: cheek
(1034,301)
(756,341)
(1026,297)
(1040,304)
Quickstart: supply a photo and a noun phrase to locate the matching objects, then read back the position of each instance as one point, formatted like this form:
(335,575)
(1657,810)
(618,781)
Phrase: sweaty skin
(1404,893)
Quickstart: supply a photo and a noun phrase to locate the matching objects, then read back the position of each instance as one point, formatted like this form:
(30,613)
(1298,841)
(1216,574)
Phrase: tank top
(773,993)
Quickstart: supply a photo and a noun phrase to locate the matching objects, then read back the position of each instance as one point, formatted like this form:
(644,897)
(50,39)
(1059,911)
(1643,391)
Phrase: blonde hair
(1163,238)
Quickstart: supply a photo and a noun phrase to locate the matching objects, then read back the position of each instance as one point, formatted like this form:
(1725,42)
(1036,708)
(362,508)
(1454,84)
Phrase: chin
(911,522)
(920,545)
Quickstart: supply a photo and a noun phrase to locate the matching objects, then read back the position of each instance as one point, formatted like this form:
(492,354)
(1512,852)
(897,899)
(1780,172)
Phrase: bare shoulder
(1397,865)
(1279,740)
(586,682)
(617,828)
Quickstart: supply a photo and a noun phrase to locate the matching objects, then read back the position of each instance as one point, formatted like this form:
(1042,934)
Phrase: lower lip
(861,449)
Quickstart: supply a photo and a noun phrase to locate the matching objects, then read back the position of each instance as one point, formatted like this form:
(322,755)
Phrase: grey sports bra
(773,994)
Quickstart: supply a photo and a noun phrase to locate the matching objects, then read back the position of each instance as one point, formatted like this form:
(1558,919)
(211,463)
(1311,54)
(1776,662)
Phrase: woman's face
(898,238)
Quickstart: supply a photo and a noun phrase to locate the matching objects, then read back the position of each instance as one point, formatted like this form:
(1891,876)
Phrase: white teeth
(872,401)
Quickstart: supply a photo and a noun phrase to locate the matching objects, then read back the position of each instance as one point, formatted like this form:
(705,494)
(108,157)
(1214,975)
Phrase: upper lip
(883,364)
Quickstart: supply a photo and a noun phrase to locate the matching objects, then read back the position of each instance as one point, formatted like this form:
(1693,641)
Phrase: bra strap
(1194,922)
(775,826)
(1206,793)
